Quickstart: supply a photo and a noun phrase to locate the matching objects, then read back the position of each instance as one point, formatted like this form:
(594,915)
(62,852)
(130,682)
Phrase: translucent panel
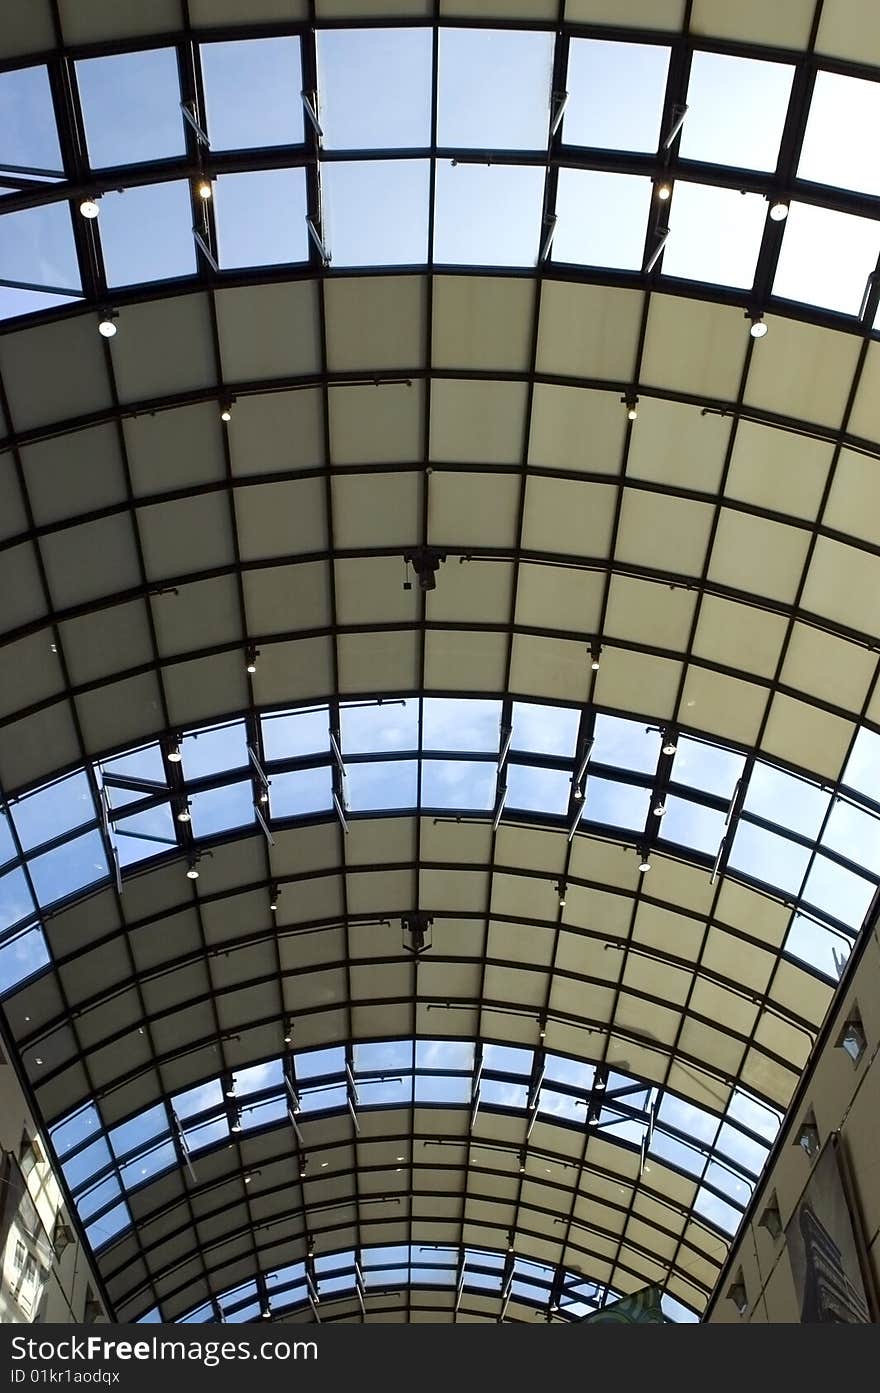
(487,215)
(500,1094)
(545,730)
(839,146)
(508,1059)
(296,734)
(131,107)
(374,88)
(386,1257)
(442,1088)
(764,1121)
(806,272)
(108,1226)
(81,1167)
(393,725)
(93,1200)
(130,832)
(716,234)
(625,744)
(145,763)
(677,1153)
(493,89)
(562,1105)
(838,892)
(717,1211)
(7,844)
(139,1130)
(382,784)
(146,234)
(199,1099)
(16,902)
(863,766)
(153,1317)
(855,834)
(269,72)
(142,1169)
(376,212)
(214,751)
(691,825)
(790,801)
(265,1113)
(444,1054)
(201,1314)
(707,767)
(315,1063)
(28,135)
(218,809)
(325,1099)
(675,1311)
(686,1117)
(207,1133)
(733,1186)
(51,811)
(736,111)
(456,783)
(598,71)
(621,1128)
(617,805)
(379,1056)
(452,724)
(70,867)
(573,1072)
(817,947)
(742,1149)
(258,1077)
(74,1130)
(277,234)
(538,790)
(37,249)
(21,957)
(769,857)
(602,219)
(387,1092)
(302,792)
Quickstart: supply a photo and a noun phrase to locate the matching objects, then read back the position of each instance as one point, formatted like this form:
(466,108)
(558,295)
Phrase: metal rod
(206,250)
(340,812)
(552,222)
(311,112)
(264,825)
(559,113)
(316,238)
(678,113)
(190,116)
(261,773)
(655,255)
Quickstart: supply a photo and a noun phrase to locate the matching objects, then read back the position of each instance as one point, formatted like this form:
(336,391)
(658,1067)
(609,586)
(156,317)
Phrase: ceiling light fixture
(107,324)
(779,209)
(758,329)
(631,403)
(561,890)
(288,1033)
(204,189)
(251,656)
(644,862)
(89,208)
(226,406)
(669,746)
(522,1161)
(664,191)
(660,809)
(174,755)
(595,654)
(184,815)
(192,870)
(274,894)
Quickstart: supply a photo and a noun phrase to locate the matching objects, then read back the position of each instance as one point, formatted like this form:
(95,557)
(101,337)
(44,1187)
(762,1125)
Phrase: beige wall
(843,1097)
(71,1277)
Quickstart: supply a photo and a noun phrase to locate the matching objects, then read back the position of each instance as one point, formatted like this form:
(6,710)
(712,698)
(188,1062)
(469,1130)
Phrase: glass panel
(782,798)
(265,1113)
(145,763)
(218,809)
(302,792)
(139,1130)
(131,107)
(508,1059)
(562,1105)
(603,219)
(214,751)
(315,1063)
(573,1072)
(455,783)
(376,212)
(863,766)
(736,1189)
(545,730)
(768,857)
(761,1119)
(444,1054)
(15,898)
(686,1117)
(28,136)
(298,733)
(538,790)
(840,893)
(328,1099)
(269,72)
(451,724)
(199,1099)
(707,767)
(386,1093)
(81,1167)
(68,868)
(717,234)
(493,89)
(598,71)
(275,234)
(855,834)
(93,1200)
(369,729)
(839,146)
(257,1077)
(736,111)
(146,234)
(37,248)
(21,957)
(625,744)
(442,1088)
(144,1167)
(677,1153)
(108,1226)
(49,812)
(380,1056)
(742,1149)
(617,805)
(383,784)
(7,844)
(487,215)
(156,822)
(691,825)
(207,1133)
(74,1130)
(806,272)
(717,1211)
(818,947)
(374,88)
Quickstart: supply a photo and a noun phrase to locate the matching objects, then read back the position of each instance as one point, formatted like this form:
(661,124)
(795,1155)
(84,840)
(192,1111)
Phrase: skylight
(376,212)
(451,723)
(602,219)
(539,790)
(211,751)
(37,249)
(51,811)
(840,146)
(488,215)
(545,730)
(692,825)
(146,234)
(386,726)
(296,733)
(494,89)
(598,71)
(376,786)
(28,134)
(450,783)
(301,792)
(616,804)
(16,902)
(374,88)
(627,744)
(252,93)
(131,107)
(736,111)
(715,234)
(780,797)
(806,269)
(277,234)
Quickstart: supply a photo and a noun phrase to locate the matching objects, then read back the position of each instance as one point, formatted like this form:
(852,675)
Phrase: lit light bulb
(644,865)
(204,189)
(632,414)
(107,325)
(184,815)
(89,208)
(779,210)
(192,872)
(663,191)
(758,329)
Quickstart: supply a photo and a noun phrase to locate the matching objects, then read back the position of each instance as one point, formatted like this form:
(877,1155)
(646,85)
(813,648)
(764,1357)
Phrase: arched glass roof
(435,566)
